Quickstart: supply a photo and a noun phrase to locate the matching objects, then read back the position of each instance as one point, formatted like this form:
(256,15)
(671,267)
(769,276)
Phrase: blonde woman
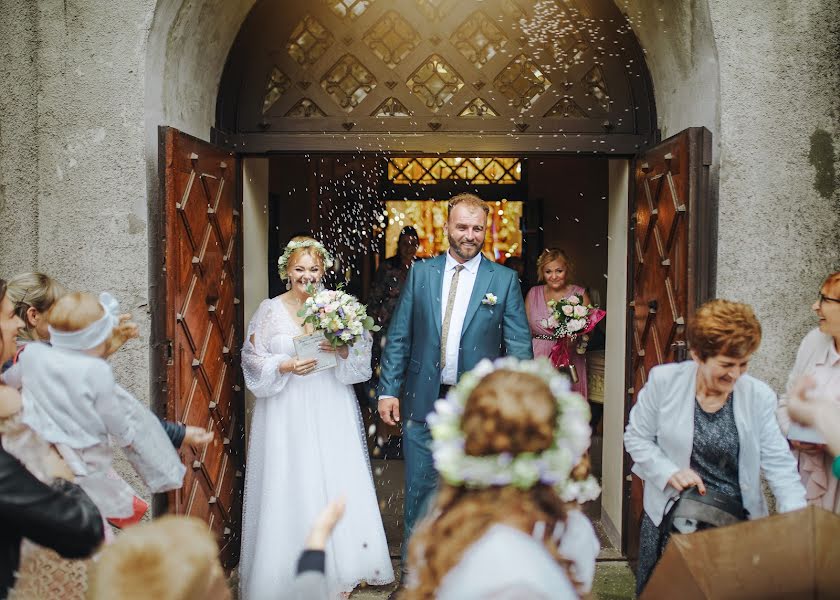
(33,295)
(306,446)
(555,275)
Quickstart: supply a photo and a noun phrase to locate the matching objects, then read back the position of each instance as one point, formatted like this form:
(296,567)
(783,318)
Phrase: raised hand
(125,330)
(324,524)
(197,436)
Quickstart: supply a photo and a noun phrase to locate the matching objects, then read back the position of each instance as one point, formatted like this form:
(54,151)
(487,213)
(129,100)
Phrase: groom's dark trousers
(411,358)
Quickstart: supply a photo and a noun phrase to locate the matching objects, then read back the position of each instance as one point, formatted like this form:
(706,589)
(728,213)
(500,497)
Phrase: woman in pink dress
(553,271)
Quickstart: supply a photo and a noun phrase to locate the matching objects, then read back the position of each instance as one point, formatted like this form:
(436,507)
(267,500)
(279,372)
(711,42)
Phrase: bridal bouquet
(569,318)
(341,317)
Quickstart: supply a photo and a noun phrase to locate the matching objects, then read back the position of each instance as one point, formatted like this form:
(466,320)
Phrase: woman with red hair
(706,424)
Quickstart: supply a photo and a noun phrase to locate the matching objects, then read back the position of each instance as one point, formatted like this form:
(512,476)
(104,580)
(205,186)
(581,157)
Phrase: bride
(306,447)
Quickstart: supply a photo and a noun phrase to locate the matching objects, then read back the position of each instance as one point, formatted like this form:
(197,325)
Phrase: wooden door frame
(702,268)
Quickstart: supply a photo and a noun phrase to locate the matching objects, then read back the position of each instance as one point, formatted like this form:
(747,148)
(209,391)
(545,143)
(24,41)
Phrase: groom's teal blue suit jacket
(410,367)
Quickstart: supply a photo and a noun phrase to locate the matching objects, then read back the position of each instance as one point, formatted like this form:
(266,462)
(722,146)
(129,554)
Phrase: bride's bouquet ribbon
(559,354)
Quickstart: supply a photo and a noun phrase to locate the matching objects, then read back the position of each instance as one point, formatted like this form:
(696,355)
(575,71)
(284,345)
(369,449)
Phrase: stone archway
(436,76)
(189,45)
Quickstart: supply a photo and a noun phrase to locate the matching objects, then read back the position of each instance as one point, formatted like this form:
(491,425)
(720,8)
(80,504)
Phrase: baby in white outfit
(71,401)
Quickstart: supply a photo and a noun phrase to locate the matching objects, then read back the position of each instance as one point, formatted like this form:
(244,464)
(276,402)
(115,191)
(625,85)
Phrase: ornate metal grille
(413,66)
(434,169)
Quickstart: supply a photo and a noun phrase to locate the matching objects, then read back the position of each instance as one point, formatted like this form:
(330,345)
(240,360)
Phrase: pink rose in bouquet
(569,318)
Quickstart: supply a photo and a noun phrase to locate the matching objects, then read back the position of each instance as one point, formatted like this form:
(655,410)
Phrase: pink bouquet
(569,318)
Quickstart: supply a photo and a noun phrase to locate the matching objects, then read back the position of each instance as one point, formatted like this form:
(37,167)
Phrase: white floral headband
(552,466)
(283,261)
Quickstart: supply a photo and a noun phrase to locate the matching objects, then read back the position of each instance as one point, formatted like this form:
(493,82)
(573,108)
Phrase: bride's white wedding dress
(306,448)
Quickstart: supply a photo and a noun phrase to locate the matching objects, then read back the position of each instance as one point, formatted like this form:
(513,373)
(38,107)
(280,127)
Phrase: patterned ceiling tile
(478,108)
(596,85)
(436,10)
(348,82)
(278,84)
(478,39)
(567,108)
(304,109)
(568,50)
(522,81)
(308,42)
(392,38)
(349,9)
(391,107)
(435,82)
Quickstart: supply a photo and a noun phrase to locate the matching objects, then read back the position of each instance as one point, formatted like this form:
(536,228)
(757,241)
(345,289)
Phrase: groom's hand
(389,409)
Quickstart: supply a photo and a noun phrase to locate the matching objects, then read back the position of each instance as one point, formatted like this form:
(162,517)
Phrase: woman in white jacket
(705,423)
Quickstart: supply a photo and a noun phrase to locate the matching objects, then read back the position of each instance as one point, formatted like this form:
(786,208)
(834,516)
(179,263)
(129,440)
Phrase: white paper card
(307,346)
(804,434)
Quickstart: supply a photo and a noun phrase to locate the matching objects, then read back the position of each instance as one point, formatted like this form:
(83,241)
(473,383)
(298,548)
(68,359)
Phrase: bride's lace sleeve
(259,365)
(356,367)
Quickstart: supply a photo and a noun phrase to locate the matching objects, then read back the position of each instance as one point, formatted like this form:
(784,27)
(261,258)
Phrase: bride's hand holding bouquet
(341,317)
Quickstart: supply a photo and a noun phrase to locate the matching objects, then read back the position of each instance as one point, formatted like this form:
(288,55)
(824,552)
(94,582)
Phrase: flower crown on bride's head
(283,261)
(553,466)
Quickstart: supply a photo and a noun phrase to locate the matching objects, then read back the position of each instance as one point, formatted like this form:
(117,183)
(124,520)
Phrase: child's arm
(139,433)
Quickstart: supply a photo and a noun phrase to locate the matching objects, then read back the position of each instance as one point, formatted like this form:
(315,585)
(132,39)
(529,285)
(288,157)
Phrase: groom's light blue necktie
(447,316)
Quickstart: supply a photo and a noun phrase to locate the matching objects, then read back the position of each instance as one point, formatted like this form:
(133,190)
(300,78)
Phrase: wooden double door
(199,324)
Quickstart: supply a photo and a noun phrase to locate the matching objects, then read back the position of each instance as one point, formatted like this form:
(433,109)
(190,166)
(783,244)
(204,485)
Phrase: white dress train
(306,448)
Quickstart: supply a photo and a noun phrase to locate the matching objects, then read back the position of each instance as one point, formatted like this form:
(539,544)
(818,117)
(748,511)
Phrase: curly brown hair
(508,411)
(723,328)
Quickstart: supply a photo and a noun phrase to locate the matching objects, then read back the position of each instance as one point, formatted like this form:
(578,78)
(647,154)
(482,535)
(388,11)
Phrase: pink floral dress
(537,311)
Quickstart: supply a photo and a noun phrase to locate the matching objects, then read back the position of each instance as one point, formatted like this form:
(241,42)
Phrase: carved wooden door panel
(203,270)
(672,249)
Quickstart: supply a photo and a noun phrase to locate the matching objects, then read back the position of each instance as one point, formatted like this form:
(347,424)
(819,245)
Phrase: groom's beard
(465,250)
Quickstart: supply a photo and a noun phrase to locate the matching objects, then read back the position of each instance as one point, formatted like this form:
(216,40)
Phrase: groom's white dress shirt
(466,282)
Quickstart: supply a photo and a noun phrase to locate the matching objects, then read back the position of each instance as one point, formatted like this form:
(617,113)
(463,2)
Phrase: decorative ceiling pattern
(427,170)
(497,66)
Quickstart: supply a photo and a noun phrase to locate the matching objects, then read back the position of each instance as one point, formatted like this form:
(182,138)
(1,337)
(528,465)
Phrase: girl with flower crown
(306,445)
(507,442)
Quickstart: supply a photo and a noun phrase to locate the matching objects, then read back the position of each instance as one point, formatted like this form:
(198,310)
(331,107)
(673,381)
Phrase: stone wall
(779,236)
(72,145)
(762,77)
(18,144)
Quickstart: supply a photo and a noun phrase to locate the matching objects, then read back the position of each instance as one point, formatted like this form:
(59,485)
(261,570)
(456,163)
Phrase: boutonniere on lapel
(489,299)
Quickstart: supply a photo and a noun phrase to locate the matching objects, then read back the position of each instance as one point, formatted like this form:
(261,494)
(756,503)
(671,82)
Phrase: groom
(454,310)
